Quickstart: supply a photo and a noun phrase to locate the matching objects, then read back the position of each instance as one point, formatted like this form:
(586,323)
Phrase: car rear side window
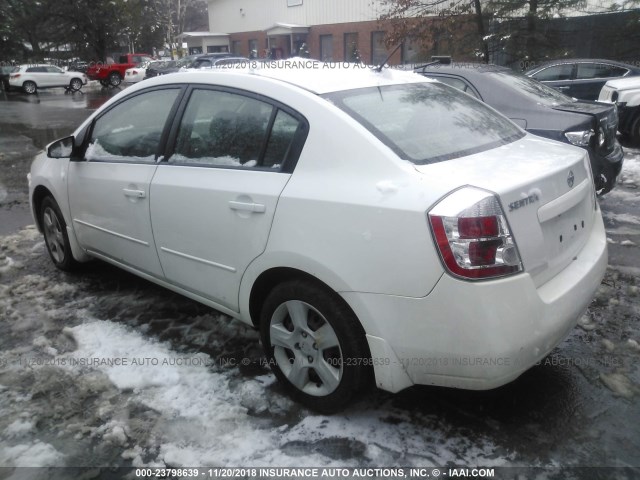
(599,70)
(227,129)
(427,122)
(131,131)
(281,139)
(222,129)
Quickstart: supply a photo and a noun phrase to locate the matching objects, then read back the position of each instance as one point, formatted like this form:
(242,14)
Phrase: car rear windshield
(427,122)
(533,89)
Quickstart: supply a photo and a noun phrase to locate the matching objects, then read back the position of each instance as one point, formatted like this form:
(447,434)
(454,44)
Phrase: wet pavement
(579,408)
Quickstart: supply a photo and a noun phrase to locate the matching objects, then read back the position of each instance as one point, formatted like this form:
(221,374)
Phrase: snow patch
(95,151)
(586,323)
(622,218)
(18,428)
(619,384)
(630,169)
(225,161)
(37,454)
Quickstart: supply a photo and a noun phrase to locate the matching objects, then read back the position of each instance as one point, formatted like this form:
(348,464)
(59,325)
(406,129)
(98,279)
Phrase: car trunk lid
(546,192)
(606,119)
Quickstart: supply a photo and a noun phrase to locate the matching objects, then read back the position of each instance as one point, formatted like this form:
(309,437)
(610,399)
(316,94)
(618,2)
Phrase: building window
(378,48)
(326,48)
(253,48)
(236,48)
(217,49)
(351,49)
(411,51)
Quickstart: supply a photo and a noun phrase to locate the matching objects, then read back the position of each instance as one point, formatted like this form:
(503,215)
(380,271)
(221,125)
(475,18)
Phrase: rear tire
(115,79)
(315,345)
(29,87)
(55,235)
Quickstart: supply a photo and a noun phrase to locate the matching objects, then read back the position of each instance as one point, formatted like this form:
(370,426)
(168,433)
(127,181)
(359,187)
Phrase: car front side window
(555,73)
(131,131)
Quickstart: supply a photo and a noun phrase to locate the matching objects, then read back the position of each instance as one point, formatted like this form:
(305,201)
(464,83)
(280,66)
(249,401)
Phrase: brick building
(332,30)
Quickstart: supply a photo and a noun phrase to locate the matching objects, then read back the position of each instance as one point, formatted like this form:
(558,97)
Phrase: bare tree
(455,27)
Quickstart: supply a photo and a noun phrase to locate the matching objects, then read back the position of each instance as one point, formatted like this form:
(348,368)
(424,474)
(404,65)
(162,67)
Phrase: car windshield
(533,89)
(427,122)
(183,62)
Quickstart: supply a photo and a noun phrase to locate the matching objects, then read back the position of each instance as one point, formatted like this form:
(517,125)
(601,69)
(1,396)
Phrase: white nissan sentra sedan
(374,226)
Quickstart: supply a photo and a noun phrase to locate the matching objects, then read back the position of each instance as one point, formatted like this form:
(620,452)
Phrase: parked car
(79,66)
(543,111)
(171,66)
(212,60)
(344,214)
(5,71)
(625,94)
(137,74)
(31,78)
(162,68)
(112,74)
(580,78)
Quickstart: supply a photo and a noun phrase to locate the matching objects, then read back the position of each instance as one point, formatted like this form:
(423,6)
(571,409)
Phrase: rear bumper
(606,168)
(477,335)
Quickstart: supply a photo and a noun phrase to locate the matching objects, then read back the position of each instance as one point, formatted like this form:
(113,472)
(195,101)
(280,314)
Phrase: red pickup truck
(113,73)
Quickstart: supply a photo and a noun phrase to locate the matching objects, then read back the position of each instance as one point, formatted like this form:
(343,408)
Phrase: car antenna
(381,66)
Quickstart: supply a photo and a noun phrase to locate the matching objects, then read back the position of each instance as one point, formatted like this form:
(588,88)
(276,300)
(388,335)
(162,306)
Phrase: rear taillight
(14,76)
(473,235)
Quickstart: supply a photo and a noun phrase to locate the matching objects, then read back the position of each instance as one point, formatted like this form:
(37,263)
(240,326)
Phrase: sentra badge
(524,202)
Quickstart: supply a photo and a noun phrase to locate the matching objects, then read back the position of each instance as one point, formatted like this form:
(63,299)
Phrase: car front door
(55,77)
(214,199)
(558,76)
(109,185)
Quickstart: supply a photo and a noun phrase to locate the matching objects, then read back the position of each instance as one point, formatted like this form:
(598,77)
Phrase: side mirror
(62,148)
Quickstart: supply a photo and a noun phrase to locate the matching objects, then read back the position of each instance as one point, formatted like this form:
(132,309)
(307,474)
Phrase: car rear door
(214,199)
(591,77)
(109,184)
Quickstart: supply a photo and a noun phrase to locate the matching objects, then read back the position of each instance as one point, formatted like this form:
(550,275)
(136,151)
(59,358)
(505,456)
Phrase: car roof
(458,67)
(311,75)
(214,55)
(560,61)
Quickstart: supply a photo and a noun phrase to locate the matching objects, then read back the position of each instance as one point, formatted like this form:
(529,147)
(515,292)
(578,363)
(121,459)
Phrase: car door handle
(134,193)
(562,88)
(247,207)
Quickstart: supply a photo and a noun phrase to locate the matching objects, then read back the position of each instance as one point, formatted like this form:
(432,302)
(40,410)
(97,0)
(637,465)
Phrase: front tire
(115,79)
(55,235)
(75,84)
(315,345)
(29,87)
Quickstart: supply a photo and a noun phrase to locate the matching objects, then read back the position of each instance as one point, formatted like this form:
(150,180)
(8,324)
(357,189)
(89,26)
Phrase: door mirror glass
(61,148)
